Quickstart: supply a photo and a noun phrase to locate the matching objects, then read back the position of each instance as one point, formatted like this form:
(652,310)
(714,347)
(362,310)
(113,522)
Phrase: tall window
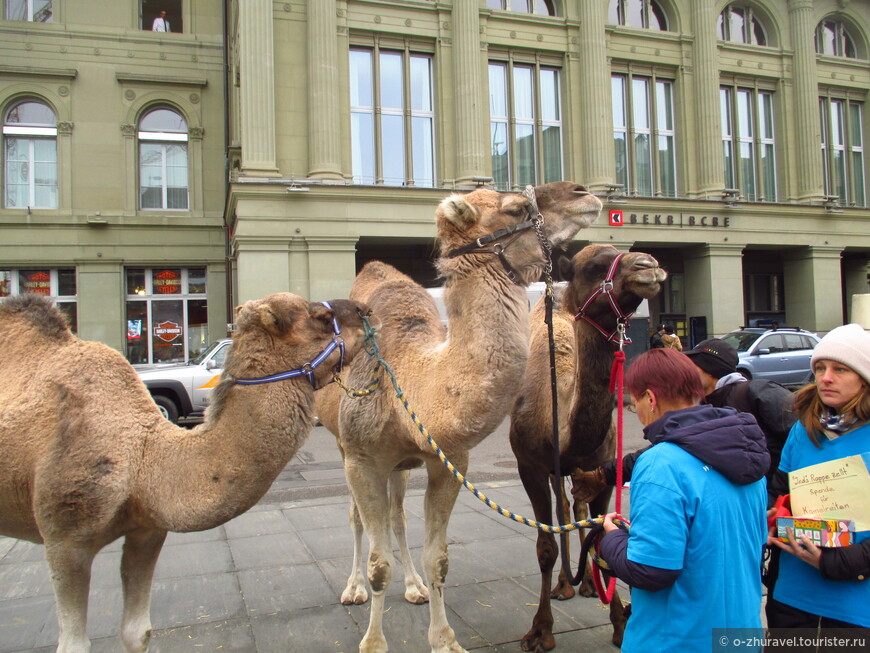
(167,314)
(834,39)
(738,24)
(163,182)
(30,156)
(748,142)
(58,284)
(392,118)
(152,18)
(525,113)
(643,135)
(34,11)
(843,150)
(542,7)
(637,13)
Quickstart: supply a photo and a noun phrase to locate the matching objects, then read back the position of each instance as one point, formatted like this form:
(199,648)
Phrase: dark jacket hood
(730,442)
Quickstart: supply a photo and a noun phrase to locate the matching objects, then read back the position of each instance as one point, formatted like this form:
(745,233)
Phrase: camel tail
(36,311)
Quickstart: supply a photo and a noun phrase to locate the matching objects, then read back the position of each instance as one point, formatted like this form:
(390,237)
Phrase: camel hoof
(563,592)
(417,595)
(538,642)
(354,596)
(587,590)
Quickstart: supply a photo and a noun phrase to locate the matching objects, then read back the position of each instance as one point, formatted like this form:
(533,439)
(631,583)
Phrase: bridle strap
(606,289)
(307,370)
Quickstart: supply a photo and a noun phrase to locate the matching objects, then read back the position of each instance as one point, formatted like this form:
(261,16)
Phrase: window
(843,150)
(33,11)
(763,293)
(643,135)
(59,284)
(152,20)
(833,38)
(543,7)
(392,118)
(748,142)
(163,180)
(637,13)
(739,25)
(525,113)
(167,314)
(30,156)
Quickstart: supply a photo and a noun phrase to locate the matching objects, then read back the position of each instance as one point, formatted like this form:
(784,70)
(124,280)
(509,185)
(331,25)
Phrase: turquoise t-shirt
(685,515)
(801,585)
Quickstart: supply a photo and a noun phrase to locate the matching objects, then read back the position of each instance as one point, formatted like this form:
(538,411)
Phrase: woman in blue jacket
(827,587)
(698,523)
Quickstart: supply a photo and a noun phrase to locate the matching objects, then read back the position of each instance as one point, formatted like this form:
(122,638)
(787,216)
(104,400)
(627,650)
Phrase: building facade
(728,138)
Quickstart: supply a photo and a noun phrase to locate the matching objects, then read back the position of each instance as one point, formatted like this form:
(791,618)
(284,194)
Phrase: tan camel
(586,435)
(87,457)
(461,387)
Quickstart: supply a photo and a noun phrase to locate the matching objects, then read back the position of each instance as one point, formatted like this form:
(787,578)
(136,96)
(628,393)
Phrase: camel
(461,382)
(584,356)
(88,457)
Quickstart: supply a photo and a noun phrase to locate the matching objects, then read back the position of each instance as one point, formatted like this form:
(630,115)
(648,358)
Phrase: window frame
(761,139)
(10,285)
(536,121)
(655,130)
(164,139)
(410,116)
(616,14)
(29,10)
(532,6)
(854,181)
(750,21)
(29,134)
(843,39)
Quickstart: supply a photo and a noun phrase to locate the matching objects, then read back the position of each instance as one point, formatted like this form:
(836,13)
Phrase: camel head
(463,220)
(283,332)
(637,277)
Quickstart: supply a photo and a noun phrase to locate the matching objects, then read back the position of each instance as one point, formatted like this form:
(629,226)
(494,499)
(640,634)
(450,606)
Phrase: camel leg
(369,487)
(563,589)
(70,566)
(355,591)
(415,588)
(441,494)
(536,484)
(141,549)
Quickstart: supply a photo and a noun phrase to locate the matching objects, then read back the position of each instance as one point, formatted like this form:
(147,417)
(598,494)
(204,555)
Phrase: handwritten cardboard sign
(839,489)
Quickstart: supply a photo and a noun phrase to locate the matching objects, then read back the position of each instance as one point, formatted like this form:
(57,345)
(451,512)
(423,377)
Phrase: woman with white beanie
(827,587)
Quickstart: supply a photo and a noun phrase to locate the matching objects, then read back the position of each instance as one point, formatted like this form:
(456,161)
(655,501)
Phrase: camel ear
(566,269)
(272,320)
(318,311)
(458,211)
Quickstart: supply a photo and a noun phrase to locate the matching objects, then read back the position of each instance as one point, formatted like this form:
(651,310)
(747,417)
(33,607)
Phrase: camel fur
(88,458)
(586,431)
(460,382)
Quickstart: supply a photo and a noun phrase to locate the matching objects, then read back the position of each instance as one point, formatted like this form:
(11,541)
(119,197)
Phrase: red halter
(606,288)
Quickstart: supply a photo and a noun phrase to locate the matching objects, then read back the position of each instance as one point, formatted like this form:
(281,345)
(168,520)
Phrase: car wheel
(746,374)
(167,408)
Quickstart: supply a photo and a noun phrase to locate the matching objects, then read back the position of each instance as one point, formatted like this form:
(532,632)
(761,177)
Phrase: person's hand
(608,521)
(585,486)
(804,550)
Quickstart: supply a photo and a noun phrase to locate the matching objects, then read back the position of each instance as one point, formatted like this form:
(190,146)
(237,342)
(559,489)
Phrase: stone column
(262,265)
(324,122)
(714,286)
(805,103)
(813,288)
(471,100)
(710,174)
(596,127)
(331,266)
(100,296)
(257,88)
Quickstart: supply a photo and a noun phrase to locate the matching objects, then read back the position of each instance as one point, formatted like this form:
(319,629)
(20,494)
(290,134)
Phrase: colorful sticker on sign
(616,219)
(167,331)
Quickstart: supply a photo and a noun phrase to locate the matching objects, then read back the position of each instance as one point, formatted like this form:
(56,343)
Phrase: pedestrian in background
(655,340)
(670,340)
(827,587)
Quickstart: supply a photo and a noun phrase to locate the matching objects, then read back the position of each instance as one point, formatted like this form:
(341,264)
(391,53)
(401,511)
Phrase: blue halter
(307,369)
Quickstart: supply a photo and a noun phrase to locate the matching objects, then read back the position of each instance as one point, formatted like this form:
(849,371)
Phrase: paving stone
(269,550)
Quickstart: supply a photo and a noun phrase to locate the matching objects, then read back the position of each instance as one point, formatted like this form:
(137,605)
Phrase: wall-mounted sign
(36,282)
(167,282)
(682,220)
(616,219)
(167,331)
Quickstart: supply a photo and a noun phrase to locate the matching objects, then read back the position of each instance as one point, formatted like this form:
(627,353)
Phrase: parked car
(181,391)
(782,354)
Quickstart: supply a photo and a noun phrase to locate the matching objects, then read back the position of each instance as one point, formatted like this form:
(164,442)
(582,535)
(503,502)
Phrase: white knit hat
(849,345)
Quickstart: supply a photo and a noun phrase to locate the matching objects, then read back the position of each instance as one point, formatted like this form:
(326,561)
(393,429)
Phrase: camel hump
(38,312)
(372,275)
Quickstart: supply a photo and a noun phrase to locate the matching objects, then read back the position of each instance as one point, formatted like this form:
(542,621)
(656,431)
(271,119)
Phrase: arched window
(32,11)
(833,38)
(163,179)
(738,24)
(30,156)
(540,7)
(638,13)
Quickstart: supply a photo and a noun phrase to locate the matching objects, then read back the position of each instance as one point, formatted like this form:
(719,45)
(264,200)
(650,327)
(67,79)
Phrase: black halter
(337,342)
(606,288)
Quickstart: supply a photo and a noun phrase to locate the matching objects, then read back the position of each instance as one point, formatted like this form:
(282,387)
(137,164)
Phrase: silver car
(782,354)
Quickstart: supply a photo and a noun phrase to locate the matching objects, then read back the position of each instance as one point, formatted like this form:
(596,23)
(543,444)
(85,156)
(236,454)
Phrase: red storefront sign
(167,282)
(38,283)
(167,331)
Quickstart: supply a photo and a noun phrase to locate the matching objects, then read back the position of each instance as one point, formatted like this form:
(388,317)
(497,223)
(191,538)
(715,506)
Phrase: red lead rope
(616,385)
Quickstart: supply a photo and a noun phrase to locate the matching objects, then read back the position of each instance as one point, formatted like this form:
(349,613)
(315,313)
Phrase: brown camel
(460,387)
(88,457)
(586,435)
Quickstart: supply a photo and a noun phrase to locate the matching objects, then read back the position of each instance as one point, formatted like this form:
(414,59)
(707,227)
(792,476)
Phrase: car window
(809,343)
(793,342)
(773,343)
(740,340)
(221,355)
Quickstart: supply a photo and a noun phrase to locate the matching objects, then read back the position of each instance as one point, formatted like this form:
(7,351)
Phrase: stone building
(728,139)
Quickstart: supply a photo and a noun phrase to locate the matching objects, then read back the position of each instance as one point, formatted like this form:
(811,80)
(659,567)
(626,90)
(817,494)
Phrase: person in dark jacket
(769,402)
(655,340)
(698,516)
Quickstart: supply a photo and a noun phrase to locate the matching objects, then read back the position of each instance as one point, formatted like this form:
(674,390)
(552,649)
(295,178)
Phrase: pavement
(269,580)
